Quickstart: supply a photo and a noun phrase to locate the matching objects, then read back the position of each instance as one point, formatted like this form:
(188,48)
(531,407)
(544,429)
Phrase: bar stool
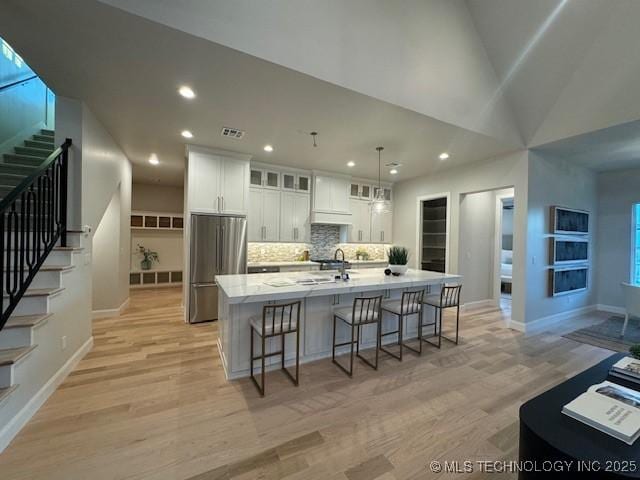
(364,311)
(449,297)
(409,304)
(276,320)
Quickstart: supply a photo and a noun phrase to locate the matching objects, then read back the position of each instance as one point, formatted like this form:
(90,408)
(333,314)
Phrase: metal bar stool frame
(372,315)
(286,326)
(449,298)
(410,304)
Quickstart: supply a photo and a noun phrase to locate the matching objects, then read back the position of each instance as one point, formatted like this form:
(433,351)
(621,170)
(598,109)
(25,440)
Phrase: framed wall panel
(568,221)
(566,251)
(567,280)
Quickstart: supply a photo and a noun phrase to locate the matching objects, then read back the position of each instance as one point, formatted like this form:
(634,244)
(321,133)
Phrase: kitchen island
(243,296)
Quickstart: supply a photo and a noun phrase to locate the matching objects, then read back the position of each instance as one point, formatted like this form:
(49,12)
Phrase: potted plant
(148,257)
(362,254)
(398,259)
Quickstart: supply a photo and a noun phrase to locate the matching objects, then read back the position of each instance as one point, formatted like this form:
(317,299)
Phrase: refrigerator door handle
(203,285)
(221,248)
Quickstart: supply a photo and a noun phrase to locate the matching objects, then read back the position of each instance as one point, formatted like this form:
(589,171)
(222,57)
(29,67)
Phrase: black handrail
(16,83)
(33,217)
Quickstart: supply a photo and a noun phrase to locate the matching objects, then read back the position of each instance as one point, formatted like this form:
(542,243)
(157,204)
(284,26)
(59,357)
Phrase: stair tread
(43,138)
(46,131)
(22,156)
(9,356)
(30,151)
(26,320)
(41,292)
(52,268)
(5,392)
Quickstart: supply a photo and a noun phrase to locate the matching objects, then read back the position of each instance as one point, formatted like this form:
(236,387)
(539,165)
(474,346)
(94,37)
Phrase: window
(635,261)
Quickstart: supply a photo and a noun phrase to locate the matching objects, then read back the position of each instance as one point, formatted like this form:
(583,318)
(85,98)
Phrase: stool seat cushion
(346,314)
(435,300)
(394,306)
(256,323)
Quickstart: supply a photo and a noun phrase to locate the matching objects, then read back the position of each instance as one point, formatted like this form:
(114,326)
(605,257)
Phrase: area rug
(607,334)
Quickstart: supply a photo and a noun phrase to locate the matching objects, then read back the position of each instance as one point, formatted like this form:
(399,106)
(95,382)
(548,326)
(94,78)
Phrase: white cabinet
(296,182)
(381,225)
(266,178)
(217,184)
(359,190)
(294,217)
(263,220)
(360,229)
(331,194)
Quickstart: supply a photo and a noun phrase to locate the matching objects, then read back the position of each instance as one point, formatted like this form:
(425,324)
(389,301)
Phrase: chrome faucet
(342,268)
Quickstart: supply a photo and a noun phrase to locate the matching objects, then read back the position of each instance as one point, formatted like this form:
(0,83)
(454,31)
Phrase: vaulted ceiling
(477,78)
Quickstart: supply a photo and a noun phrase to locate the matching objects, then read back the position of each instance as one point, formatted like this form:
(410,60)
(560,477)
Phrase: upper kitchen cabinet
(263,221)
(360,190)
(331,199)
(360,229)
(381,227)
(264,177)
(296,182)
(294,217)
(387,192)
(217,181)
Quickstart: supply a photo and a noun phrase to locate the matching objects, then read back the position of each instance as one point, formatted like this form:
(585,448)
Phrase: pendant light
(379,204)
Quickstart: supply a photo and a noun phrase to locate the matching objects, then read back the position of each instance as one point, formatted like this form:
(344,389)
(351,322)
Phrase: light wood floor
(151,402)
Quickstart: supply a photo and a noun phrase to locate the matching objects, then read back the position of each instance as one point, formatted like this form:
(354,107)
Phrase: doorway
(503,254)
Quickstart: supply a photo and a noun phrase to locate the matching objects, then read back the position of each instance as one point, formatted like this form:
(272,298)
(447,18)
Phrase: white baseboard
(610,309)
(112,312)
(23,416)
(540,324)
(489,302)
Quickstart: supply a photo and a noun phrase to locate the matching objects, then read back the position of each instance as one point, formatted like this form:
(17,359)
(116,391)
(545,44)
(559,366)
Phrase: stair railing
(33,217)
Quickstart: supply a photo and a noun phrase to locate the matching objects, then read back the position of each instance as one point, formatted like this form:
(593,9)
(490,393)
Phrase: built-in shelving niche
(434,234)
(568,251)
(155,278)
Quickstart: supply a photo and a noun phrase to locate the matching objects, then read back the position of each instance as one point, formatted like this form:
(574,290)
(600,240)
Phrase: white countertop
(364,262)
(293,263)
(252,288)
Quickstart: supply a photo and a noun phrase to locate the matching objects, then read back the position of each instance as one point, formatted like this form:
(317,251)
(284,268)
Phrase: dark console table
(547,435)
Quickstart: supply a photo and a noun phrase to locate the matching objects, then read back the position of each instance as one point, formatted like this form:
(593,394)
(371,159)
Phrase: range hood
(326,218)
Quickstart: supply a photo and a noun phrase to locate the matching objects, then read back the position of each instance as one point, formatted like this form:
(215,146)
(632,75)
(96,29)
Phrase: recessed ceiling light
(187,134)
(153,159)
(268,148)
(186,92)
(351,164)
(393,171)
(443,156)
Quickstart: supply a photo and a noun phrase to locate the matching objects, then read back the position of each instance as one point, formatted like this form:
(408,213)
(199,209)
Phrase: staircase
(37,253)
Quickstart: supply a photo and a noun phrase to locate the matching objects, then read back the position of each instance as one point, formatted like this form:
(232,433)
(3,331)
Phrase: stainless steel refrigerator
(218,247)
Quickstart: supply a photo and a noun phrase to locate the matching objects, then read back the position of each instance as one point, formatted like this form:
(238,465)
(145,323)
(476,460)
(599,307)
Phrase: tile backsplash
(324,241)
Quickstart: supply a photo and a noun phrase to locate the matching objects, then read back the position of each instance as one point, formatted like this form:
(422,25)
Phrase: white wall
(477,245)
(98,169)
(617,192)
(106,250)
(157,198)
(502,172)
(553,181)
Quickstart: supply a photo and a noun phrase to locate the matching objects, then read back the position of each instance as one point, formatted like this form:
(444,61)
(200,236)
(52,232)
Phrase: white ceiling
(477,78)
(128,70)
(612,148)
(567,67)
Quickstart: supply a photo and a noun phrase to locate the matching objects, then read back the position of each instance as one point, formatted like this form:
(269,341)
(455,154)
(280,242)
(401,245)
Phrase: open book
(611,408)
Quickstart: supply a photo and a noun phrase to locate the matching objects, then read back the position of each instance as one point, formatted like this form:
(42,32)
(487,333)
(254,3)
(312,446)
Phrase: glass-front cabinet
(296,182)
(264,178)
(361,191)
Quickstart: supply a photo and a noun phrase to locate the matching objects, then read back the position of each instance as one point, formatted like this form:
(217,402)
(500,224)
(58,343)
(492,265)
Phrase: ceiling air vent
(232,133)
(393,164)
